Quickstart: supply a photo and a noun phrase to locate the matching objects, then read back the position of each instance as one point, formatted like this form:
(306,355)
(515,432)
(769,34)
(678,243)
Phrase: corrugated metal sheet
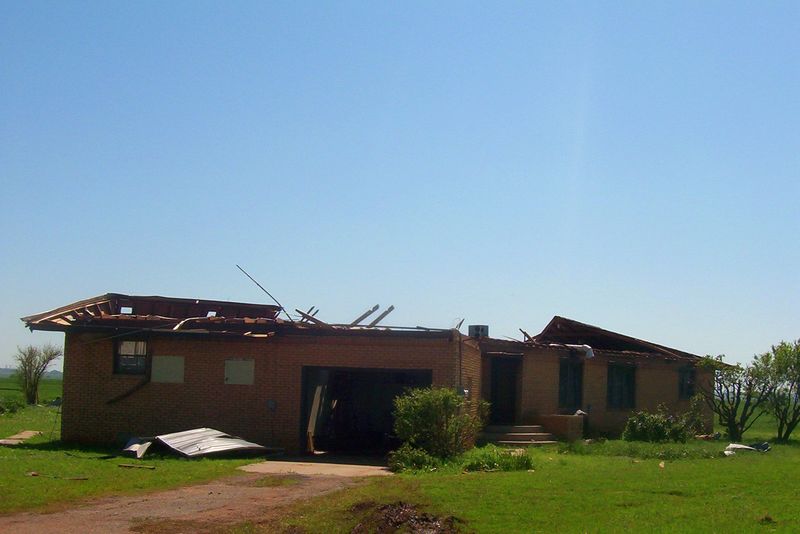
(202,441)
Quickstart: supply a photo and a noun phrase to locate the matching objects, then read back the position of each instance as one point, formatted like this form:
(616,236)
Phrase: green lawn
(48,389)
(595,491)
(56,463)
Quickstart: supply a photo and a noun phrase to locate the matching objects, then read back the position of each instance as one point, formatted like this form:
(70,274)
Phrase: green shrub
(438,420)
(658,427)
(493,458)
(408,458)
(10,405)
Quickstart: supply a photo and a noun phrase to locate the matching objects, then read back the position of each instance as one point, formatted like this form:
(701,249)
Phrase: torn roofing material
(197,442)
(118,312)
(563,331)
(134,310)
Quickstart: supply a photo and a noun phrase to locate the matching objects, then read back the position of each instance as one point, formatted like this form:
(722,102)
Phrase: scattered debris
(137,446)
(709,437)
(135,466)
(731,449)
(18,438)
(766,520)
(37,474)
(401,516)
(193,443)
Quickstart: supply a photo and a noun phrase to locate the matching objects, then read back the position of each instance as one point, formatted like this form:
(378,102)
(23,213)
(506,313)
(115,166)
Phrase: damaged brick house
(143,366)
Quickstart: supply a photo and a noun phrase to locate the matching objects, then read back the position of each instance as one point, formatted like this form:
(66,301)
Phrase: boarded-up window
(239,372)
(570,384)
(621,387)
(167,369)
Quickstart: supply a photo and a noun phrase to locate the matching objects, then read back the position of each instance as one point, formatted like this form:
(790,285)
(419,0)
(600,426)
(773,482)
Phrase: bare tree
(738,396)
(32,362)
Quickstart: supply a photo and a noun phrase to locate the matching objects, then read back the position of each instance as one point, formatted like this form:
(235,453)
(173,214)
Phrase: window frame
(621,387)
(129,370)
(687,382)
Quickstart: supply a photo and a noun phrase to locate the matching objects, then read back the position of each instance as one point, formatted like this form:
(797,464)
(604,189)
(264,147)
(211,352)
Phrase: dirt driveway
(200,508)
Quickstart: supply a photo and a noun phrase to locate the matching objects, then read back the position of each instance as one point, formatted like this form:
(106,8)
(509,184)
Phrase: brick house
(150,365)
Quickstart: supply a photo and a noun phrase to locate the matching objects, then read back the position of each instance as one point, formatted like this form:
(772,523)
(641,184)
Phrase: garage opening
(349,410)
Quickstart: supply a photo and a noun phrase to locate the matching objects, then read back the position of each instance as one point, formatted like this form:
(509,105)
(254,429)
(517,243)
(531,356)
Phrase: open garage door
(350,409)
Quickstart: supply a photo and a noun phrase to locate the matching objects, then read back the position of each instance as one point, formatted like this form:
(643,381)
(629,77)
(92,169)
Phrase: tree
(782,364)
(32,362)
(738,396)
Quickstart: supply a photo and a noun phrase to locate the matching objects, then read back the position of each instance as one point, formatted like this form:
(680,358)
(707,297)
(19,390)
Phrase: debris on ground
(136,466)
(37,474)
(733,448)
(18,438)
(400,516)
(194,443)
(709,437)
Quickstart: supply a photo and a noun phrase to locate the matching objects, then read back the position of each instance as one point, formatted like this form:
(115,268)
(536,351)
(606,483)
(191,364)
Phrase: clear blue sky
(631,165)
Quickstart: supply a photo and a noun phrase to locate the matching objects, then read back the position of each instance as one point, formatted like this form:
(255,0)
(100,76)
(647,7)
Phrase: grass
(48,389)
(50,458)
(602,487)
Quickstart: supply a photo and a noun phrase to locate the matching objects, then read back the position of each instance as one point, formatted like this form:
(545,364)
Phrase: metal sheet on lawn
(202,441)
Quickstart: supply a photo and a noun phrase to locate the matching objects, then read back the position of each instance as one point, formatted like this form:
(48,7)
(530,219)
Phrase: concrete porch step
(517,436)
(502,429)
(525,443)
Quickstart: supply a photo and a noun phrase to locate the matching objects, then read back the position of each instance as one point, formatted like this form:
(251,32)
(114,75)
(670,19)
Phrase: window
(686,381)
(621,387)
(239,372)
(167,370)
(570,384)
(130,357)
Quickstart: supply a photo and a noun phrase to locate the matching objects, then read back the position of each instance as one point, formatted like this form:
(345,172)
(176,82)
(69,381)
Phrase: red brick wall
(471,375)
(656,383)
(204,400)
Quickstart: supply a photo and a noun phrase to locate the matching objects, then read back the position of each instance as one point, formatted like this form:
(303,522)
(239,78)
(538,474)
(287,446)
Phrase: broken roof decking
(111,307)
(561,330)
(197,316)
(566,334)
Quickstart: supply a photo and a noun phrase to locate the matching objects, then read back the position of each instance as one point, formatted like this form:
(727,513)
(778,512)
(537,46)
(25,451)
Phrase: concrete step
(508,443)
(502,429)
(517,436)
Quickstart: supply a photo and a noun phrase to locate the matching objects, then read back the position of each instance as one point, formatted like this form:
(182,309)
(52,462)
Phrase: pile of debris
(400,516)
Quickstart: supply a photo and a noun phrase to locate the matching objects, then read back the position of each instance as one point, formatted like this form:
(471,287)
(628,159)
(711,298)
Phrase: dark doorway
(350,410)
(505,372)
(570,385)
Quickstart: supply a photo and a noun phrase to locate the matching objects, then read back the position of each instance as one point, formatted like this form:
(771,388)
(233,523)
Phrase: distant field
(48,389)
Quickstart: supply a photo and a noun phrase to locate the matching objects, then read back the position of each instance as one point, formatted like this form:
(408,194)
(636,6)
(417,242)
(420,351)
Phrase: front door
(504,391)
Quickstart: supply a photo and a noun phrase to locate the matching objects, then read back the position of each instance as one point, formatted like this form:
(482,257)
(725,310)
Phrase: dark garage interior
(349,410)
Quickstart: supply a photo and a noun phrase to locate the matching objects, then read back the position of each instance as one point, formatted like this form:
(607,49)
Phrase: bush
(10,405)
(659,427)
(493,458)
(438,420)
(408,458)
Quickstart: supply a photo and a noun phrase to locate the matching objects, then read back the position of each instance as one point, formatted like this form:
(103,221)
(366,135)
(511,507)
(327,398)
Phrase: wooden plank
(365,315)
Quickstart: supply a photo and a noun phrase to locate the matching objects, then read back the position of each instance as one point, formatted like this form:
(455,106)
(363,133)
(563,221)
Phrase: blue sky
(630,165)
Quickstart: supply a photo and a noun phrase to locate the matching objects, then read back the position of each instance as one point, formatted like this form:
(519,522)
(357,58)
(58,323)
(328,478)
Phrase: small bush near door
(438,421)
